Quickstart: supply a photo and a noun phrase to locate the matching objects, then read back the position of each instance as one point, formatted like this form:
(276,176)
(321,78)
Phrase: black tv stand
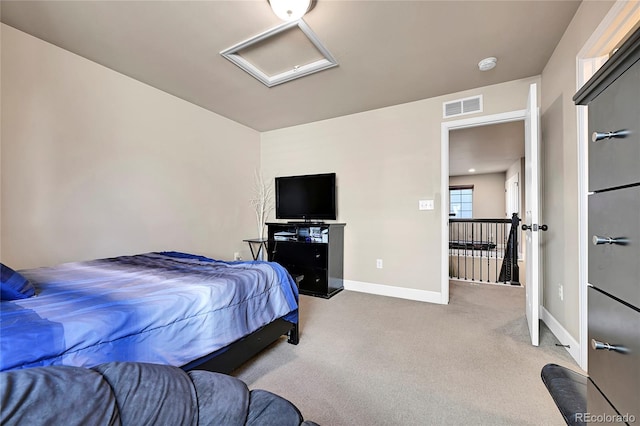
(305,222)
(314,251)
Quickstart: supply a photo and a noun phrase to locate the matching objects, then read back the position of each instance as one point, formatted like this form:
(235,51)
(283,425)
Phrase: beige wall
(560,168)
(488,194)
(97,164)
(386,160)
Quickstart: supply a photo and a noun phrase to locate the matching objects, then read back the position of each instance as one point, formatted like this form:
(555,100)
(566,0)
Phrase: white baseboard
(561,334)
(399,292)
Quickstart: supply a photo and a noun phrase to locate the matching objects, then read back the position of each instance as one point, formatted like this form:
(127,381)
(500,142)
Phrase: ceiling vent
(462,107)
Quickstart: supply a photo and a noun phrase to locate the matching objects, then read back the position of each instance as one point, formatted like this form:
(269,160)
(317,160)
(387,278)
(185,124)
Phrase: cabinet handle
(597,240)
(597,345)
(598,136)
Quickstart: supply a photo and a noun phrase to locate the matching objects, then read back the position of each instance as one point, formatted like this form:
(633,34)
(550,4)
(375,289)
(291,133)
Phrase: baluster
(499,231)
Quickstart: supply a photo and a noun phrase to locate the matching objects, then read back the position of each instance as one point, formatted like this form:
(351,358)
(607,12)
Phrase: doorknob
(534,227)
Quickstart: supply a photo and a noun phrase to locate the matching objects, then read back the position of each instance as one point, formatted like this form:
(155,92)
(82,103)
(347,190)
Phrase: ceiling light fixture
(487,64)
(290,10)
(472,170)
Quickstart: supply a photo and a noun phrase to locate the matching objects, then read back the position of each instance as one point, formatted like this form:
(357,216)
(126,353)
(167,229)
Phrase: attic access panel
(283,53)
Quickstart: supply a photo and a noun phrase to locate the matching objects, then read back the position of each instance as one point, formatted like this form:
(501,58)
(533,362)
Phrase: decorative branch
(262,201)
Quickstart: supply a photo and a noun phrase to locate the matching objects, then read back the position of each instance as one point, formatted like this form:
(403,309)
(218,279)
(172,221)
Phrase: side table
(257,246)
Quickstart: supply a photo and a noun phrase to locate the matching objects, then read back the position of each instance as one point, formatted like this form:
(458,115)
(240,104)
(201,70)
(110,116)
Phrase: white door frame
(616,24)
(512,197)
(445,128)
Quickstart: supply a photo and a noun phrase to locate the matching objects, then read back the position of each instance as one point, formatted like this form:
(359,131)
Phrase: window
(461,202)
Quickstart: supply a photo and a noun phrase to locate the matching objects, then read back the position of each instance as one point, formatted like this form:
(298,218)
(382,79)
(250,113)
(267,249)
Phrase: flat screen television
(308,198)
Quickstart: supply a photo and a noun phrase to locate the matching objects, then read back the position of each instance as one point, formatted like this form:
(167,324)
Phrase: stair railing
(484,250)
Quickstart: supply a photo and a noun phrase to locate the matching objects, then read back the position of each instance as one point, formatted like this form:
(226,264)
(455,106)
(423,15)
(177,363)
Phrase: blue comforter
(167,308)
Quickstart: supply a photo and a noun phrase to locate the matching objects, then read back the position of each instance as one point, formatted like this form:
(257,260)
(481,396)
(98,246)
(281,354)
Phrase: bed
(163,307)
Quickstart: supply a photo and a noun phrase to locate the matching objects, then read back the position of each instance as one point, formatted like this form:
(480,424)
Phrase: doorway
(531,221)
(485,165)
(446,128)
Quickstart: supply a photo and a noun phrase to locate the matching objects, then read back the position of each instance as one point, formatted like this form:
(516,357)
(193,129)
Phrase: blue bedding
(167,308)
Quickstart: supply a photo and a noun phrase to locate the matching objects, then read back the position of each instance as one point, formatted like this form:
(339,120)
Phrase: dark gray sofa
(126,393)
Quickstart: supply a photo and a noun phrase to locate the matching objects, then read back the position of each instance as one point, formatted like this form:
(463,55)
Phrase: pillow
(14,286)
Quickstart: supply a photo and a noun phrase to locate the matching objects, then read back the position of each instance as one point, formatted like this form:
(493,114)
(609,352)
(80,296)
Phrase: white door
(531,221)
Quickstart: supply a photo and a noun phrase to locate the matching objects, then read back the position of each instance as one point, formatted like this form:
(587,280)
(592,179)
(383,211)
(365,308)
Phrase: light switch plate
(425,205)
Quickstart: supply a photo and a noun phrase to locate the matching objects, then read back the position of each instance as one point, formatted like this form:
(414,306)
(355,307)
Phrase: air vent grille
(462,106)
(452,108)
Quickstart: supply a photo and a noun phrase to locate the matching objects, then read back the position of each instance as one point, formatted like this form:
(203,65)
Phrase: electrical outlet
(561,292)
(379,263)
(236,256)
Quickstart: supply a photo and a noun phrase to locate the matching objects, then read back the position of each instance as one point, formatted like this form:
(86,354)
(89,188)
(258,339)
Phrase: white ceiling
(389,52)
(487,149)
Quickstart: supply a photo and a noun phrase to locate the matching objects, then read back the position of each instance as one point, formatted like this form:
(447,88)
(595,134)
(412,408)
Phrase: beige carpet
(374,360)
